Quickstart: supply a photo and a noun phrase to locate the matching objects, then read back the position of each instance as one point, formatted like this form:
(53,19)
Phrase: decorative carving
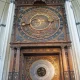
(33,1)
(40,24)
(66,75)
(72,75)
(10,76)
(41,71)
(41,50)
(13,76)
(16,76)
(53,60)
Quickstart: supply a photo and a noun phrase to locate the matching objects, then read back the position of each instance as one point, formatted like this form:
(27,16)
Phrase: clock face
(39,23)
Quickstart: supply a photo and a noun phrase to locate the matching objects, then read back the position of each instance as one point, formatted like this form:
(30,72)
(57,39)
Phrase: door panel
(41,67)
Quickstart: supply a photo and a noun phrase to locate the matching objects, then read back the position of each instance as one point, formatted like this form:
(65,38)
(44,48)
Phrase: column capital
(62,46)
(12,47)
(12,1)
(18,48)
(68,47)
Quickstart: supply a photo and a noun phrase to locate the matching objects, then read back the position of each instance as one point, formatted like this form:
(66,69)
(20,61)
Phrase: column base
(72,75)
(66,75)
(16,76)
(10,75)
(13,76)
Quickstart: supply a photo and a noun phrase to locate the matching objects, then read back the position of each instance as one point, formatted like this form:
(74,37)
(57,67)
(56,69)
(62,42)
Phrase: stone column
(76,10)
(5,41)
(74,38)
(10,76)
(72,76)
(17,63)
(65,65)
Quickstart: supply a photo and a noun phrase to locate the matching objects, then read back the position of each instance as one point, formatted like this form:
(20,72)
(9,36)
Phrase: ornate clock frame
(29,46)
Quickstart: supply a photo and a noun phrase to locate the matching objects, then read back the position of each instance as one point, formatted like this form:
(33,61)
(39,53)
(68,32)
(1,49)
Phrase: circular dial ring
(40,24)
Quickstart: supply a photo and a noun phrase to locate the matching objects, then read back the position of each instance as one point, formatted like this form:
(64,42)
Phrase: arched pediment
(36,1)
(39,2)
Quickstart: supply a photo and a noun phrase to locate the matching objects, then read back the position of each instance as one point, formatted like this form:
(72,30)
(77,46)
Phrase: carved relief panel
(40,67)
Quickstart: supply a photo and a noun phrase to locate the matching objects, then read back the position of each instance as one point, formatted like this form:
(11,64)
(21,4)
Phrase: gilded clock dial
(40,23)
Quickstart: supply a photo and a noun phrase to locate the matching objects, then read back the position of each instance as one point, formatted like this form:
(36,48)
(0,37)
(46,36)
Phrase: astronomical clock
(40,24)
(40,42)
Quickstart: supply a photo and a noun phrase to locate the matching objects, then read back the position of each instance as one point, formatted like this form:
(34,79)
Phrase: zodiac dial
(40,23)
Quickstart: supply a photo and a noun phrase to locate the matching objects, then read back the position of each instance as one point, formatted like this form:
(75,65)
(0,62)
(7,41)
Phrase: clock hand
(53,20)
(50,21)
(24,24)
